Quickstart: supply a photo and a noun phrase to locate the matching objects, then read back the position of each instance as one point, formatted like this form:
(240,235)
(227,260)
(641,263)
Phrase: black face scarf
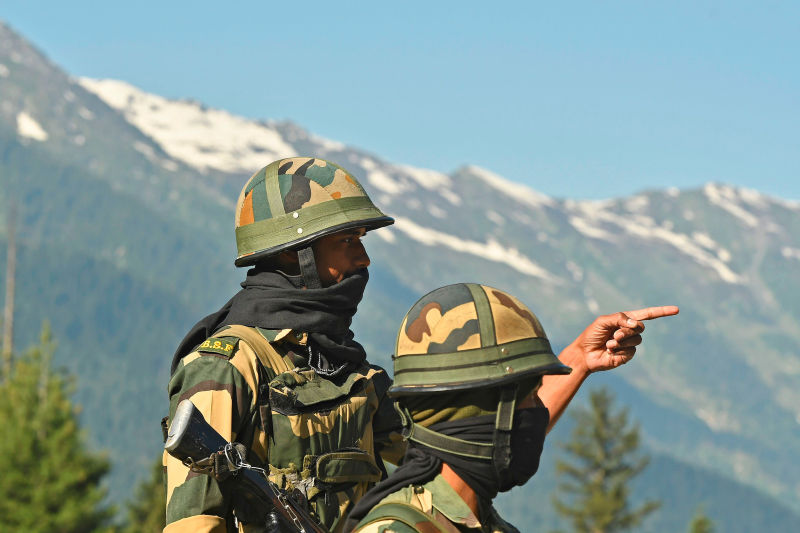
(421,463)
(273,300)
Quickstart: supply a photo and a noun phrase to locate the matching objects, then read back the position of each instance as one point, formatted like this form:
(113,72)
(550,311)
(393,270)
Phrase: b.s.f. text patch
(219,345)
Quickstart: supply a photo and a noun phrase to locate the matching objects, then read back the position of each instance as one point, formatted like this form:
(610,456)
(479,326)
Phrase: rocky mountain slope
(125,229)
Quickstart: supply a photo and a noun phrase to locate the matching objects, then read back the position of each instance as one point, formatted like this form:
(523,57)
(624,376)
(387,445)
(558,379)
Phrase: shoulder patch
(219,345)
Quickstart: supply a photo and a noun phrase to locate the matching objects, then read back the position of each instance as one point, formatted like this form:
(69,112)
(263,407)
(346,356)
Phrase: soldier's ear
(288,257)
(288,262)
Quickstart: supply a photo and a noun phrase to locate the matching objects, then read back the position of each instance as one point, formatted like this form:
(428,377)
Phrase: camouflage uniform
(254,385)
(442,508)
(459,338)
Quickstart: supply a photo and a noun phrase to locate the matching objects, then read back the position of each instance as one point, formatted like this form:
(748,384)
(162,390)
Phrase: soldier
(277,368)
(478,387)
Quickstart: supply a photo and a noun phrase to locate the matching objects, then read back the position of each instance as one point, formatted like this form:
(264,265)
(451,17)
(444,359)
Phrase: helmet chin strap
(498,452)
(501,450)
(308,268)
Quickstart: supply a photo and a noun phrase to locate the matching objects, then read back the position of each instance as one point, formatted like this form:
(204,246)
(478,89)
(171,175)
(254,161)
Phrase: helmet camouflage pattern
(466,336)
(293,201)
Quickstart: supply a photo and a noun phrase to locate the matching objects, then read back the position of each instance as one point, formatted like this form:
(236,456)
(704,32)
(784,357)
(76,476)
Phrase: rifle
(198,445)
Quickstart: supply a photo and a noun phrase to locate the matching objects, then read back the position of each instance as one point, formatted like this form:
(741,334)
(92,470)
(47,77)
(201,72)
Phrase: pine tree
(48,480)
(147,510)
(602,458)
(701,523)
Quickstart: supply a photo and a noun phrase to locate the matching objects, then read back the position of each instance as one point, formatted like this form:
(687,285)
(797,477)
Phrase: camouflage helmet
(467,336)
(293,201)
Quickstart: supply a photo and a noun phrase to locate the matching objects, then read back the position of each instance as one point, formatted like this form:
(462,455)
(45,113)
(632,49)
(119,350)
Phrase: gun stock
(191,439)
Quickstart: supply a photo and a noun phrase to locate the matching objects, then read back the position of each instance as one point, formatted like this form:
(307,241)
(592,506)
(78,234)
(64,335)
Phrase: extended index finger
(649,313)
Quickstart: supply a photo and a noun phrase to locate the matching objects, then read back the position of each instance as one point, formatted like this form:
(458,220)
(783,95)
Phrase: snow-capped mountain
(126,238)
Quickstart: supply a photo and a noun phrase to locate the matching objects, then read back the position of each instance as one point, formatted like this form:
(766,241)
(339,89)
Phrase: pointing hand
(611,340)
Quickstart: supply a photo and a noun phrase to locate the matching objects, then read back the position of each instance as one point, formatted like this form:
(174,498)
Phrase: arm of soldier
(223,389)
(608,342)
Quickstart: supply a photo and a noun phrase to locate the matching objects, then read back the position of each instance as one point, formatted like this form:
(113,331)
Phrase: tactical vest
(317,434)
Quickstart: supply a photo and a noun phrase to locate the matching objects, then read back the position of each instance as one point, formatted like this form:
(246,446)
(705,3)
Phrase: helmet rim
(369,224)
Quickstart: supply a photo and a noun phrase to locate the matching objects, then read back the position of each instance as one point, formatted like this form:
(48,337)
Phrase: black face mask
(527,440)
(421,463)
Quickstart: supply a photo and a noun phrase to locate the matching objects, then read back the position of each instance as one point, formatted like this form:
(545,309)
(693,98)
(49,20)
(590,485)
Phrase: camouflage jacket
(252,387)
(436,507)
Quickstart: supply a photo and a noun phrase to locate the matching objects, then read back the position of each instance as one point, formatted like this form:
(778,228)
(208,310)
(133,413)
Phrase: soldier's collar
(288,335)
(447,501)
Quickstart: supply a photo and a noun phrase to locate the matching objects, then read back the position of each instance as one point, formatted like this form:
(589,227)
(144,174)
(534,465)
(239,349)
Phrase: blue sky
(576,99)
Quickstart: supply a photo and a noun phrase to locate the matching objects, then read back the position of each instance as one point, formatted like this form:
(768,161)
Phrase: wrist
(574,357)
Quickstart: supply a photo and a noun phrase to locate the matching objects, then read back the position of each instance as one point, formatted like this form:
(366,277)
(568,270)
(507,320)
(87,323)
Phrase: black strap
(501,453)
(308,268)
(437,441)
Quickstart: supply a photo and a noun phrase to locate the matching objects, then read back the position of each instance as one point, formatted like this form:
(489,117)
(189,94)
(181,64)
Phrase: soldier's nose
(362,261)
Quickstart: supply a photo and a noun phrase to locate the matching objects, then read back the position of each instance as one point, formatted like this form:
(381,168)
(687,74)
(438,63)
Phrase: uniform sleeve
(223,390)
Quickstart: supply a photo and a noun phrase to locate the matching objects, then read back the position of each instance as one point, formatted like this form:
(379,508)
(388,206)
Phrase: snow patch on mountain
(150,153)
(450,196)
(378,178)
(517,191)
(4,71)
(753,197)
(575,270)
(437,211)
(592,215)
(790,253)
(145,149)
(387,234)
(200,137)
(490,250)
(728,199)
(28,127)
(590,230)
(382,181)
(429,179)
(85,114)
(327,144)
(788,204)
(495,217)
(717,419)
(704,240)
(413,203)
(685,244)
(637,203)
